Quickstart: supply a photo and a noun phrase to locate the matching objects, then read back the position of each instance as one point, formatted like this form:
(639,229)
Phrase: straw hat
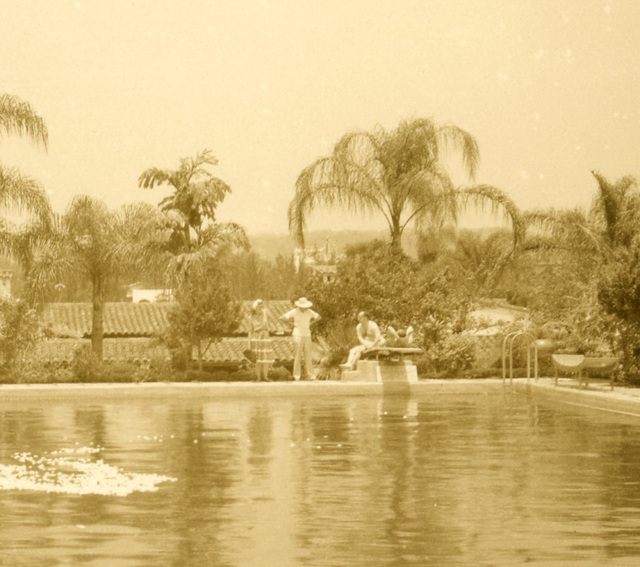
(303,303)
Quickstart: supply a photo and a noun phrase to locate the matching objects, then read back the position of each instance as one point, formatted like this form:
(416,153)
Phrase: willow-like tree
(399,174)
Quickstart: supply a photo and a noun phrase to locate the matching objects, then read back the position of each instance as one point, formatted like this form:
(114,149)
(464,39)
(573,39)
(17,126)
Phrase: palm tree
(601,242)
(84,242)
(190,238)
(17,192)
(188,244)
(610,224)
(397,173)
(18,118)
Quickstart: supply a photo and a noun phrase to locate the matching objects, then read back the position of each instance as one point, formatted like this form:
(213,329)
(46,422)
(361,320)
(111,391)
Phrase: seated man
(369,336)
(402,338)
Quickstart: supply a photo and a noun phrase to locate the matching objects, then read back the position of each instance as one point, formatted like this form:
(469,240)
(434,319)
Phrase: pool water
(449,480)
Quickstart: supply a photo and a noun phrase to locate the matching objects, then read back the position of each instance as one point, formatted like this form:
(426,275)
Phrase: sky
(549,88)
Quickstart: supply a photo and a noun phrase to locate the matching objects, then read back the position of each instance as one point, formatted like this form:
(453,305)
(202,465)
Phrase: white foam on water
(74,471)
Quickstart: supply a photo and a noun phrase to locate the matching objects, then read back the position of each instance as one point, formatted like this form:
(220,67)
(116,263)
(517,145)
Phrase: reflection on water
(74,471)
(449,480)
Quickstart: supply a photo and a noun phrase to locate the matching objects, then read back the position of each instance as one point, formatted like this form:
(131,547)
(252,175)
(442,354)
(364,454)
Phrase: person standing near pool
(259,339)
(302,317)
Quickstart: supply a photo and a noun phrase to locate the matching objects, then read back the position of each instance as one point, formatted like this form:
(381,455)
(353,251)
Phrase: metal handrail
(512,337)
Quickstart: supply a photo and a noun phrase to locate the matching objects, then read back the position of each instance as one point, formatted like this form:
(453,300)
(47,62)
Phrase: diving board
(389,352)
(384,364)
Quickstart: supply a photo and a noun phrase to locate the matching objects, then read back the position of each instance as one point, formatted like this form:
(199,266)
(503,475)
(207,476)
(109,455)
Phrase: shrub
(84,363)
(19,332)
(279,374)
(449,357)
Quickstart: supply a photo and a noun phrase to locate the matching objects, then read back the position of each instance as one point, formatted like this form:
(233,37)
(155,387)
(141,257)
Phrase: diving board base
(382,371)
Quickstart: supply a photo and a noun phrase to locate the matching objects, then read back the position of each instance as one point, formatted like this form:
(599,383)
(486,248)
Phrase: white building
(138,294)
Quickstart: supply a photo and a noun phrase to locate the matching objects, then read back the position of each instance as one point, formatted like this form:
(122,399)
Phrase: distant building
(323,261)
(497,312)
(328,273)
(138,294)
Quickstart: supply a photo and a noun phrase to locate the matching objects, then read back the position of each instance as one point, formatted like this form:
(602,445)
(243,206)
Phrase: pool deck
(622,400)
(599,396)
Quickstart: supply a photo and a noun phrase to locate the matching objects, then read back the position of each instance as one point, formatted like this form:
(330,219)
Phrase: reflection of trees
(92,423)
(260,434)
(20,428)
(370,498)
(321,433)
(419,523)
(442,485)
(207,472)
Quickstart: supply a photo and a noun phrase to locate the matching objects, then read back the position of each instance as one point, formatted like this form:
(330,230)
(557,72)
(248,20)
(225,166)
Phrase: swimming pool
(446,480)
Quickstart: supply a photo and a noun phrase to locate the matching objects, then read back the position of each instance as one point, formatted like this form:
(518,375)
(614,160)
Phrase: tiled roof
(232,350)
(123,319)
(229,350)
(275,309)
(114,350)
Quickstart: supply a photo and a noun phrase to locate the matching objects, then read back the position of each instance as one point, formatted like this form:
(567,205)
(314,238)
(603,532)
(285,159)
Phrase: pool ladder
(507,345)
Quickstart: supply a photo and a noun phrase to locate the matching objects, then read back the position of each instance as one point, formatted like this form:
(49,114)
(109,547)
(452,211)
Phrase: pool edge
(9,392)
(616,401)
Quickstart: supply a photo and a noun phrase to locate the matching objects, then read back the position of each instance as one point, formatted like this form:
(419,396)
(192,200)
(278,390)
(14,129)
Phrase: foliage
(187,235)
(84,363)
(19,333)
(204,311)
(279,374)
(619,295)
(83,244)
(398,174)
(18,118)
(586,264)
(449,357)
(251,277)
(19,193)
(85,367)
(619,287)
(485,259)
(394,290)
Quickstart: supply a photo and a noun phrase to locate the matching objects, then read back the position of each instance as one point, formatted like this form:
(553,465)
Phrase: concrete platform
(382,371)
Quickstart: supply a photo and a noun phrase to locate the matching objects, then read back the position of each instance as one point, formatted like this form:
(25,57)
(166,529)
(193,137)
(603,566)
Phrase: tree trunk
(187,357)
(200,366)
(396,238)
(97,322)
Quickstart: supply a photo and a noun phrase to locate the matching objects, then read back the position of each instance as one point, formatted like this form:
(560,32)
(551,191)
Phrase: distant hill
(268,246)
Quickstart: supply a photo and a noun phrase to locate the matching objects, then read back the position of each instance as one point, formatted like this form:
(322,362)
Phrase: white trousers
(303,348)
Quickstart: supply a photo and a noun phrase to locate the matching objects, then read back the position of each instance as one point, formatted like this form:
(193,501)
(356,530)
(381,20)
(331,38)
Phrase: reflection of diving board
(576,363)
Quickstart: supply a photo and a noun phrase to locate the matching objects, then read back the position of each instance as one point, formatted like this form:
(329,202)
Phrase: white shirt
(301,321)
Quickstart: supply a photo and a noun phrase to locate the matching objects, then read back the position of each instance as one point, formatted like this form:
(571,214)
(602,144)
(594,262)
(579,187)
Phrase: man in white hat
(302,317)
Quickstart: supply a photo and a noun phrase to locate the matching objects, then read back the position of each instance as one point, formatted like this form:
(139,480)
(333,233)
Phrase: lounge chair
(576,363)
